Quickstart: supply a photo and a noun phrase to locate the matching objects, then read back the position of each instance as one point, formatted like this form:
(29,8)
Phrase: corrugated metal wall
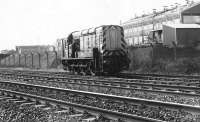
(188,37)
(169,35)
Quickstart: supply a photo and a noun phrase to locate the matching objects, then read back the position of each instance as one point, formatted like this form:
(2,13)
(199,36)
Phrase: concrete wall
(34,60)
(151,56)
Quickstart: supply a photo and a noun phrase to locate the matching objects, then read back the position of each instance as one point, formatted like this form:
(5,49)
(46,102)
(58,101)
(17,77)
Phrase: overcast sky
(41,22)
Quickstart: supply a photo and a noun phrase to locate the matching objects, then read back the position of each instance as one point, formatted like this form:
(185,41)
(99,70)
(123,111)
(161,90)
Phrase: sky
(41,22)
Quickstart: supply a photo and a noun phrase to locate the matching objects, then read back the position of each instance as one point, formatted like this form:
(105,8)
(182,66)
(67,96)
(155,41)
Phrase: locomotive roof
(90,30)
(76,34)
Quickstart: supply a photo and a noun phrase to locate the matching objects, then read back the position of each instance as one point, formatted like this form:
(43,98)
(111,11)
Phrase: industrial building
(148,29)
(34,48)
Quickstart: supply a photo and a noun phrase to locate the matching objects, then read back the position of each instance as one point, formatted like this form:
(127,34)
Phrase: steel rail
(152,83)
(120,82)
(113,97)
(84,107)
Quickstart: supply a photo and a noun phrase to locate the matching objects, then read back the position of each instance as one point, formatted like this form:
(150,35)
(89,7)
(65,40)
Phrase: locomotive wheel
(78,70)
(82,70)
(73,71)
(90,69)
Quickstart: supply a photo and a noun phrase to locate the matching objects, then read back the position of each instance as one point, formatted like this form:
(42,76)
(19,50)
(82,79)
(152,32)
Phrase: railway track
(111,105)
(160,77)
(18,107)
(183,92)
(139,88)
(176,85)
(60,75)
(45,109)
(185,78)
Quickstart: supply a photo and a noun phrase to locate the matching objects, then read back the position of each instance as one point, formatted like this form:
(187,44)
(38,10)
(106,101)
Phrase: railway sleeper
(138,111)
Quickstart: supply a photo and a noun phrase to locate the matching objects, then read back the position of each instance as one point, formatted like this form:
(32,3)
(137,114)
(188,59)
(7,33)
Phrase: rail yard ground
(148,98)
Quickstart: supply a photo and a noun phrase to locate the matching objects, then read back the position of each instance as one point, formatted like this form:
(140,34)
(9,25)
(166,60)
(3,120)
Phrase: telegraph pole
(154,15)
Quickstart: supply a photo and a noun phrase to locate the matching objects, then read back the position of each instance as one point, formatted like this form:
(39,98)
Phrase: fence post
(175,50)
(9,60)
(56,54)
(175,53)
(31,60)
(25,60)
(152,55)
(14,59)
(19,60)
(39,58)
(47,59)
(5,61)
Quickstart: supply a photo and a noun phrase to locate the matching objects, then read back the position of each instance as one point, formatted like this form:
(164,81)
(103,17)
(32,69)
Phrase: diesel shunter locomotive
(96,51)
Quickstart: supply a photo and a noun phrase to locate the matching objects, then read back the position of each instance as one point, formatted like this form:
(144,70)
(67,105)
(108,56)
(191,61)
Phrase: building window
(191,19)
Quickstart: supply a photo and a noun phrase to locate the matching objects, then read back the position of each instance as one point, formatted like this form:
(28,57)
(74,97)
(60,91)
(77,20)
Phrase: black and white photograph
(99,60)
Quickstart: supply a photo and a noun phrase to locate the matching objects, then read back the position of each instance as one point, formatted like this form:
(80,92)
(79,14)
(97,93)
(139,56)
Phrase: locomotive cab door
(75,48)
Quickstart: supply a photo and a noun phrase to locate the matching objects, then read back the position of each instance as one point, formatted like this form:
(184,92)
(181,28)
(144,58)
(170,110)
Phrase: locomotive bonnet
(96,51)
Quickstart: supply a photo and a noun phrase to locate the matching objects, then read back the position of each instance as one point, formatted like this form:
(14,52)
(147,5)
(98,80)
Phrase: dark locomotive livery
(96,51)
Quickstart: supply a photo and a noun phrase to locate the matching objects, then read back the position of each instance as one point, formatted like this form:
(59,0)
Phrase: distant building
(34,48)
(148,28)
(7,51)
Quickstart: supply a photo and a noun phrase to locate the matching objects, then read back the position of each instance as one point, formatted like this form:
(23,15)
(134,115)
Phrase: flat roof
(183,25)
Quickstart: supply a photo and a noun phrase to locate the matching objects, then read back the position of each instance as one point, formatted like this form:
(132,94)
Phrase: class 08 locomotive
(96,51)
